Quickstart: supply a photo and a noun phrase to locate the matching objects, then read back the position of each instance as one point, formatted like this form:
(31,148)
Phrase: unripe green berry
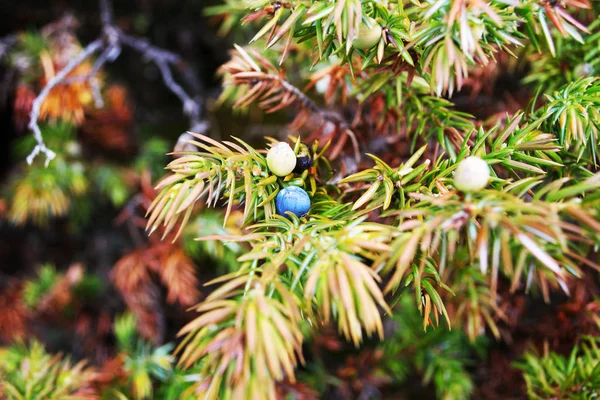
(367,37)
(281,159)
(471,175)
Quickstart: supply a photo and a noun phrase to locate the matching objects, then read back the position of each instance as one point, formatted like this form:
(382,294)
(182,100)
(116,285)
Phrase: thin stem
(40,147)
(306,103)
(106,12)
(110,44)
(162,59)
(100,61)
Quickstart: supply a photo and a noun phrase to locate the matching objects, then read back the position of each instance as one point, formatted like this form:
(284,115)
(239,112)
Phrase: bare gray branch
(37,103)
(110,43)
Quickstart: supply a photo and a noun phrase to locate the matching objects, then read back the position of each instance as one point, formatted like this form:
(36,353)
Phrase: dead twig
(266,86)
(40,147)
(109,45)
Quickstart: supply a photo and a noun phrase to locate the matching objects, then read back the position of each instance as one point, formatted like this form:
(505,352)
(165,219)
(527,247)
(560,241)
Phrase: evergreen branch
(573,60)
(383,181)
(257,340)
(552,375)
(28,371)
(329,265)
(475,304)
(456,33)
(537,12)
(267,87)
(448,36)
(572,114)
(140,361)
(516,148)
(340,20)
(239,174)
(424,280)
(44,193)
(334,26)
(35,290)
(340,284)
(324,260)
(499,223)
(174,268)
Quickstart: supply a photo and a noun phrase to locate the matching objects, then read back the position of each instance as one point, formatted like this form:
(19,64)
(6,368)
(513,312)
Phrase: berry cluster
(282,161)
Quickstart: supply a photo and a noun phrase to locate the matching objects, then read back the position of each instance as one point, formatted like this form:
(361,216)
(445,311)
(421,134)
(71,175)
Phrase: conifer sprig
(456,34)
(474,306)
(441,356)
(572,60)
(499,229)
(326,262)
(140,361)
(448,36)
(232,171)
(29,372)
(246,342)
(553,375)
(409,107)
(572,114)
(250,78)
(519,148)
(385,232)
(537,14)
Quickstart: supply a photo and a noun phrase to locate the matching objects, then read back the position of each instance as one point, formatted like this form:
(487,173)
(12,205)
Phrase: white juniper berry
(281,159)
(471,175)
